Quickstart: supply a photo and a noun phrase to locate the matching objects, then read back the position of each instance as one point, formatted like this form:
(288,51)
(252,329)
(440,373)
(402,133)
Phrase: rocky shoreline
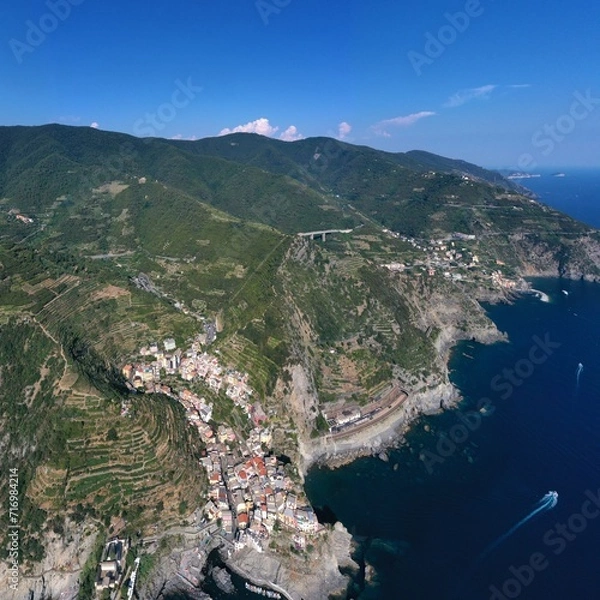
(317,576)
(313,576)
(376,438)
(390,431)
(326,578)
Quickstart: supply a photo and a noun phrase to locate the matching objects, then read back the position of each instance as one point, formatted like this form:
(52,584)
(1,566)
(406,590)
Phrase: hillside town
(250,494)
(453,257)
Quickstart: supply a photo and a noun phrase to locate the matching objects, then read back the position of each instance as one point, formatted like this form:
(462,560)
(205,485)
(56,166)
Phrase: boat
(539,294)
(255,589)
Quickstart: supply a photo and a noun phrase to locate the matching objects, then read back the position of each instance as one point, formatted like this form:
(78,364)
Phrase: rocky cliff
(58,575)
(314,576)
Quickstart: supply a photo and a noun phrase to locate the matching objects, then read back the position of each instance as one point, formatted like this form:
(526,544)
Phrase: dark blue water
(577,193)
(427,520)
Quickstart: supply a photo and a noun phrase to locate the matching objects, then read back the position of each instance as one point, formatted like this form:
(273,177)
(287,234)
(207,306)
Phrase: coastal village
(250,495)
(453,258)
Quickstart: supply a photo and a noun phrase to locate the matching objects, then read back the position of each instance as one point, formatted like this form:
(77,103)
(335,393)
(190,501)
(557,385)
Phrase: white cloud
(464,96)
(382,127)
(291,134)
(260,126)
(94,125)
(263,126)
(179,136)
(520,85)
(344,130)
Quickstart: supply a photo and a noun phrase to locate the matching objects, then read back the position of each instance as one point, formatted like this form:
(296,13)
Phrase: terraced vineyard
(116,319)
(82,454)
(241,352)
(125,465)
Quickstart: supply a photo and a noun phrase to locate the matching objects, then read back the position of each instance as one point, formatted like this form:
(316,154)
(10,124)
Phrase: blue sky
(503,84)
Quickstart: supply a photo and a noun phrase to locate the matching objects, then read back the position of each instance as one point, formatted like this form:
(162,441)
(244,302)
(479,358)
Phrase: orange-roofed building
(243,520)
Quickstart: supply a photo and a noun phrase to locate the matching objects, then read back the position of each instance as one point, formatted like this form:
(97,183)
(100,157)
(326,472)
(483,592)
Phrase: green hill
(212,225)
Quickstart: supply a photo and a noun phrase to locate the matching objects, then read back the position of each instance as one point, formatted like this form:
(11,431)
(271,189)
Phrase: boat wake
(548,502)
(578,374)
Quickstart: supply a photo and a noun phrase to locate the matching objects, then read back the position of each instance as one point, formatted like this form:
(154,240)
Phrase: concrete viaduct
(322,234)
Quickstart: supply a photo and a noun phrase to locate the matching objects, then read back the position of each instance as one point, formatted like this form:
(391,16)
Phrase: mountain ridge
(237,146)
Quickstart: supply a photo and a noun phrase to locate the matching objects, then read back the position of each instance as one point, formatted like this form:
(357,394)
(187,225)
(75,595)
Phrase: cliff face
(319,324)
(164,581)
(570,258)
(58,574)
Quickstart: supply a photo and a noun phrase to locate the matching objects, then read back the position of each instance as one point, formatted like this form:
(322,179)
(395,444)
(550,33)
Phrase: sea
(572,191)
(501,497)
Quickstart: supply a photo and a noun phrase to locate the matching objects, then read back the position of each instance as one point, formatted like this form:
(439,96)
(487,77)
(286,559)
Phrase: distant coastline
(573,191)
(523,176)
